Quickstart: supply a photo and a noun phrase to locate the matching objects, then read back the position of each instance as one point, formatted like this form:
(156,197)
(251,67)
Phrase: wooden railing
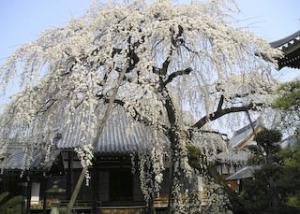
(86,207)
(122,210)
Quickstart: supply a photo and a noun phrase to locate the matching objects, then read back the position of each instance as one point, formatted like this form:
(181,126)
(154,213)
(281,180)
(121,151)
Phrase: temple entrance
(121,185)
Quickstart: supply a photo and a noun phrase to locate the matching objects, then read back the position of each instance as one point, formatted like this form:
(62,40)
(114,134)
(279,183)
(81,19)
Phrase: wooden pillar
(69,175)
(24,194)
(28,195)
(94,185)
(150,207)
(45,195)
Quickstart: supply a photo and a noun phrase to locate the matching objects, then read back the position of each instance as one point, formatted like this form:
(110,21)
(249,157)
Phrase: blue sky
(22,21)
(270,19)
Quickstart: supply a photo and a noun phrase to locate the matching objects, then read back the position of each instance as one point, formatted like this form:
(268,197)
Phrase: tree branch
(220,103)
(221,112)
(176,74)
(166,63)
(46,106)
(138,117)
(175,39)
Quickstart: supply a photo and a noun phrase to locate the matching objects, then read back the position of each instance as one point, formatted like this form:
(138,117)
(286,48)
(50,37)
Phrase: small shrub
(268,136)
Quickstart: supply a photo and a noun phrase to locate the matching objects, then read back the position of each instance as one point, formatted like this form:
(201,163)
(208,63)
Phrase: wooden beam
(45,195)
(69,175)
(28,195)
(94,186)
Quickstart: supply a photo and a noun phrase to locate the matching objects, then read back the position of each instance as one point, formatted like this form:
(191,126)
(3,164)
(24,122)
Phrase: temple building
(290,46)
(233,164)
(46,177)
(114,186)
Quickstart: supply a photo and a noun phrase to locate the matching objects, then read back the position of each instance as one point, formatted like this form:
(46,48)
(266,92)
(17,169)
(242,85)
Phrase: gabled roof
(244,134)
(246,172)
(290,141)
(290,46)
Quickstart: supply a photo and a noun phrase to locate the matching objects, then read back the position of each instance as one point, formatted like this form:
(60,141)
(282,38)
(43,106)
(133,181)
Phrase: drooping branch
(221,112)
(137,116)
(101,123)
(46,106)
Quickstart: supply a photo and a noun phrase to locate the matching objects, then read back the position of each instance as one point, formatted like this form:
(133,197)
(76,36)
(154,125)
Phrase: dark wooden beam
(45,195)
(28,195)
(94,186)
(69,175)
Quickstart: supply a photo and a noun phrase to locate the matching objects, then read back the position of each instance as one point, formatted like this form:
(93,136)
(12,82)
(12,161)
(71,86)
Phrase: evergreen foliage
(275,188)
(10,204)
(289,95)
(268,136)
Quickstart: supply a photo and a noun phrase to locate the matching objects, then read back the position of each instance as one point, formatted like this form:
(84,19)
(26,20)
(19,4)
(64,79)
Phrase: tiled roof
(242,134)
(246,172)
(121,134)
(18,158)
(290,141)
(287,41)
(290,46)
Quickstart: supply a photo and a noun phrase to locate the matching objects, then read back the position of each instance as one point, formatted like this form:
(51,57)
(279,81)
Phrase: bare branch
(220,103)
(220,113)
(176,74)
(166,63)
(214,132)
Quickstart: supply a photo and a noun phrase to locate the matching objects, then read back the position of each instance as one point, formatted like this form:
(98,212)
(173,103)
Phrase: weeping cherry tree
(157,61)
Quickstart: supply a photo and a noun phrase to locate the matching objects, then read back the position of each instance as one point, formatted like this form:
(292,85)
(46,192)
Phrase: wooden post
(94,185)
(150,207)
(28,195)
(45,195)
(69,175)
(24,193)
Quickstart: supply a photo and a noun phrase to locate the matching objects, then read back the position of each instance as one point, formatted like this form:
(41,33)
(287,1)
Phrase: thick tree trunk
(173,175)
(174,137)
(170,200)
